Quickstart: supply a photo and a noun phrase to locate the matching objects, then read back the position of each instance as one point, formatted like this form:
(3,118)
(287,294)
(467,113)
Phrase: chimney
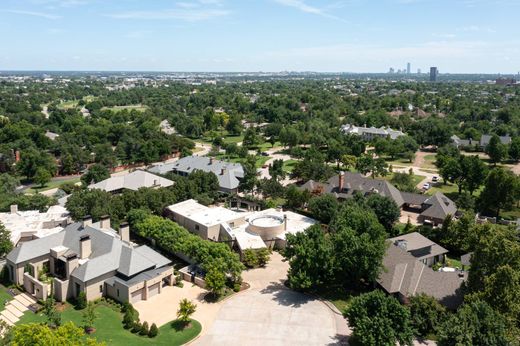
(155,182)
(85,246)
(72,263)
(124,232)
(87,221)
(341,183)
(14,208)
(104,222)
(223,171)
(285,222)
(17,156)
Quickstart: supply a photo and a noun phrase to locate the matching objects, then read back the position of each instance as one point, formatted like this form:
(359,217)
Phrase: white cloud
(33,14)
(304,7)
(190,15)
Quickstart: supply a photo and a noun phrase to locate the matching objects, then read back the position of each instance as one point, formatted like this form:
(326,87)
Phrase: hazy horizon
(329,36)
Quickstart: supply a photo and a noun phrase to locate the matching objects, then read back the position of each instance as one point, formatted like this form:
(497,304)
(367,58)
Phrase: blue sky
(260,35)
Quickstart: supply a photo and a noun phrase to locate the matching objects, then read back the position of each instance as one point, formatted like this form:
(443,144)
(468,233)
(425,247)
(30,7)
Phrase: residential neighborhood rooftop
(132,181)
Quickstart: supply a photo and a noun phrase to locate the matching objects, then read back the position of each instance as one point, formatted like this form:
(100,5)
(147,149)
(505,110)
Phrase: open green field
(416,178)
(288,165)
(109,328)
(68,104)
(52,185)
(139,108)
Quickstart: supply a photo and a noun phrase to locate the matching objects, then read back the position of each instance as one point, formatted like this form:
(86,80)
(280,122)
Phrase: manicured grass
(429,161)
(453,262)
(4,296)
(260,160)
(447,188)
(68,104)
(139,108)
(288,165)
(52,185)
(109,328)
(398,162)
(341,298)
(266,146)
(416,178)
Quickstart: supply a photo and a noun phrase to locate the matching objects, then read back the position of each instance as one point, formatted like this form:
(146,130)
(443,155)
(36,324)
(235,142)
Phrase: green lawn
(429,161)
(4,295)
(260,160)
(341,298)
(416,178)
(288,165)
(52,185)
(139,108)
(109,328)
(68,104)
(453,262)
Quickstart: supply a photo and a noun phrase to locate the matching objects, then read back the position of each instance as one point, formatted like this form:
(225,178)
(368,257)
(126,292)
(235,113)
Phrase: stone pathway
(16,308)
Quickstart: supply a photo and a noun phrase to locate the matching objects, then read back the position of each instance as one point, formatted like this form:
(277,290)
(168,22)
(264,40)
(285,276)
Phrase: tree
(95,174)
(323,207)
(250,259)
(42,177)
(296,198)
(234,125)
(348,161)
(215,281)
(186,309)
(276,170)
(385,208)
(40,334)
(474,172)
(378,319)
(31,160)
(8,183)
(496,150)
(144,329)
(89,316)
(249,180)
(6,245)
(358,241)
(403,182)
(154,331)
(501,190)
(452,172)
(474,324)
(514,149)
(310,259)
(426,314)
(52,315)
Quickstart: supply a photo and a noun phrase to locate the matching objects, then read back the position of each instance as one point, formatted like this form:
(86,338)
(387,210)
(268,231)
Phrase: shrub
(81,301)
(250,259)
(153,331)
(136,327)
(144,329)
(128,320)
(236,287)
(263,256)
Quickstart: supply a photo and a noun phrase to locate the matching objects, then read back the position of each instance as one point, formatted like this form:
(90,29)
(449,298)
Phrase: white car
(426,186)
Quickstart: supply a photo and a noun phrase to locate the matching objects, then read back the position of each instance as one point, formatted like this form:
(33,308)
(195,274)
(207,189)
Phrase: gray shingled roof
(132,181)
(405,274)
(109,253)
(484,140)
(355,182)
(419,246)
(229,180)
(440,206)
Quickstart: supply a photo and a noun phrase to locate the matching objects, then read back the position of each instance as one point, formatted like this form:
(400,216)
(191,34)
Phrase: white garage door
(153,290)
(137,296)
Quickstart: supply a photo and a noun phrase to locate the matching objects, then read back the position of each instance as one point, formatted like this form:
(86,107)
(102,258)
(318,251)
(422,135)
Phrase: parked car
(435,179)
(426,186)
(265,153)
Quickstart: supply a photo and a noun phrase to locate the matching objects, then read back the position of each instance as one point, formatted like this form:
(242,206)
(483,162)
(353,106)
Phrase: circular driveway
(270,314)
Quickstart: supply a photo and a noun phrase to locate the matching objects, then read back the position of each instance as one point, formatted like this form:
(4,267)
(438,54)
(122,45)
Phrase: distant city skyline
(459,36)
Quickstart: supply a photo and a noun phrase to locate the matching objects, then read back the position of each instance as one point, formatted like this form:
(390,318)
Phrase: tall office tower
(419,71)
(391,70)
(434,72)
(408,68)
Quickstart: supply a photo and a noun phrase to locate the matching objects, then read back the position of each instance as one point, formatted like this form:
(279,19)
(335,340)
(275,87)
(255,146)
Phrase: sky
(457,36)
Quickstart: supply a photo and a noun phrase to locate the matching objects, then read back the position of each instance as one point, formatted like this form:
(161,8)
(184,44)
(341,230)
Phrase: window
(118,292)
(196,227)
(100,288)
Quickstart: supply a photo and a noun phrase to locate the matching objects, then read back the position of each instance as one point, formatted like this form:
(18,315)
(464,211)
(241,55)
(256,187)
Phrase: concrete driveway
(271,314)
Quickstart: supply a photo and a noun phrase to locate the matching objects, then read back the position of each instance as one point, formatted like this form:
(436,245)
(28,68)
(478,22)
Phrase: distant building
(434,72)
(391,70)
(482,144)
(419,71)
(133,181)
(370,133)
(408,68)
(228,174)
(505,81)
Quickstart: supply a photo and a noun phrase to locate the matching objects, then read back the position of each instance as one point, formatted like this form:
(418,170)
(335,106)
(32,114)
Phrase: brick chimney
(85,246)
(341,181)
(17,156)
(87,221)
(124,232)
(104,222)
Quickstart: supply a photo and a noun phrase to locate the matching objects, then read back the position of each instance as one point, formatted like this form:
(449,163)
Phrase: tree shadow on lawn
(286,296)
(180,326)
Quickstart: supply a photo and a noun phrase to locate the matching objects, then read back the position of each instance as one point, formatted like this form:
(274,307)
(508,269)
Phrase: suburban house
(228,174)
(132,181)
(420,247)
(89,258)
(32,224)
(371,133)
(482,144)
(426,209)
(246,230)
(404,275)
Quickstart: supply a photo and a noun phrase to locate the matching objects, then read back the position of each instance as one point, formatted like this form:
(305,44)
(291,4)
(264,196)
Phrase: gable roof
(132,181)
(408,276)
(228,173)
